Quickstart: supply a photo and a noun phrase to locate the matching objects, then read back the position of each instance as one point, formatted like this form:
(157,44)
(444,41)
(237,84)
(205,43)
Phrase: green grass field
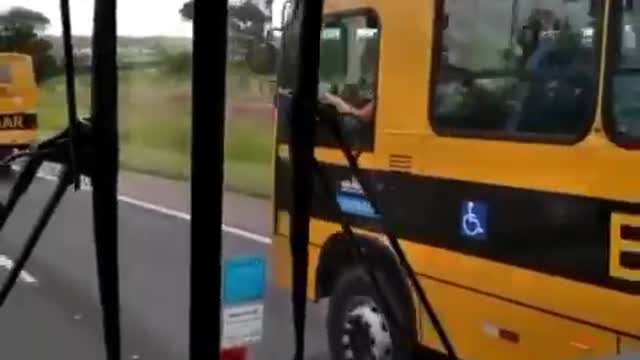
(155,129)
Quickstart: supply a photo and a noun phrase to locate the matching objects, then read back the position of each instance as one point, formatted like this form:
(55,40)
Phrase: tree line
(21,31)
(248,26)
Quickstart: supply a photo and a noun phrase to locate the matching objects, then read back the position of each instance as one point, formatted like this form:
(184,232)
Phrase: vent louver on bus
(400,162)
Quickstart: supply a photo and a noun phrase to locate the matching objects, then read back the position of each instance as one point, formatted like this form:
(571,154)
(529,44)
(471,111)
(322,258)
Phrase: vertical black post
(104,168)
(69,68)
(209,78)
(301,146)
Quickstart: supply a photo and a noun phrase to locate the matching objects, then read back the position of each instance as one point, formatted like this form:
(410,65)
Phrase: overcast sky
(135,17)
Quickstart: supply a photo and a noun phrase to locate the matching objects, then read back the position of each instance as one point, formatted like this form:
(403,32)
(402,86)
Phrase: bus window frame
(441,18)
(609,120)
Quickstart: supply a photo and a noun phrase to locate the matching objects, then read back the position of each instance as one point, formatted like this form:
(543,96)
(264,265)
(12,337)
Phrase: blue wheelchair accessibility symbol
(474,220)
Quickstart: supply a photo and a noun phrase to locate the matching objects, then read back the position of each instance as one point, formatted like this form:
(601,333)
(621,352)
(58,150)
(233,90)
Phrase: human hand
(324,98)
(337,102)
(343,107)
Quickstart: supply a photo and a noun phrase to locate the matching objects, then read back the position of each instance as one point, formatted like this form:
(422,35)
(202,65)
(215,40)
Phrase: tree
(246,32)
(20,31)
(23,17)
(247,10)
(246,18)
(187,10)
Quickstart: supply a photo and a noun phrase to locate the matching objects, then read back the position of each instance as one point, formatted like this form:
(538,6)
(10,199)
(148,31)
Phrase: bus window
(5,74)
(349,51)
(625,90)
(348,68)
(510,68)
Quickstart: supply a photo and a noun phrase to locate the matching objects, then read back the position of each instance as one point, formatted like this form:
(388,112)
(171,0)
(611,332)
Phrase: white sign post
(244,286)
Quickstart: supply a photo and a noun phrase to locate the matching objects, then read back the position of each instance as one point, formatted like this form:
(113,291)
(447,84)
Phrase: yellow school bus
(18,98)
(503,140)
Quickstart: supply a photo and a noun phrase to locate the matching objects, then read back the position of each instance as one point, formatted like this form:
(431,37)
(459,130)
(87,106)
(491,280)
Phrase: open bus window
(349,51)
(348,67)
(517,68)
(348,59)
(625,90)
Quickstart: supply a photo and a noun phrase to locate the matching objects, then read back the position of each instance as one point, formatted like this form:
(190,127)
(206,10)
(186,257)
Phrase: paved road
(57,316)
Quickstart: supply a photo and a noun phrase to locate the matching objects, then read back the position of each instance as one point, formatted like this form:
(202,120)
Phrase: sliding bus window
(516,68)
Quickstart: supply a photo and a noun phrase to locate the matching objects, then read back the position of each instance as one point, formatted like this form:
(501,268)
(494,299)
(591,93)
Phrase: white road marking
(184,216)
(8,264)
(156,208)
(51,171)
(246,234)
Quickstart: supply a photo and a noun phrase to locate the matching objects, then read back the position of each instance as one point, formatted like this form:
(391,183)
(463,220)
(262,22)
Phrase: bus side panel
(483,327)
(21,92)
(629,346)
(319,232)
(281,266)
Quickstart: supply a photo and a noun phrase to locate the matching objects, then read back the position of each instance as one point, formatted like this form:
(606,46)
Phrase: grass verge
(155,129)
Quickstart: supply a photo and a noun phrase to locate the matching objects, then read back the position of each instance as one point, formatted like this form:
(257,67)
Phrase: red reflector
(630,232)
(238,353)
(509,335)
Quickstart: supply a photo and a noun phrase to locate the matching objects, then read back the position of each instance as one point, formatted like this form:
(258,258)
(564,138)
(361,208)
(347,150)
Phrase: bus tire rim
(366,334)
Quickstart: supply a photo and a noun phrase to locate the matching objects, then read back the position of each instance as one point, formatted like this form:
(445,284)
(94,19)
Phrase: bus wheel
(356,325)
(5,171)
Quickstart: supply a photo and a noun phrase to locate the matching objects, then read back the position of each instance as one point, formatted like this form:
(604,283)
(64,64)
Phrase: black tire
(5,171)
(355,290)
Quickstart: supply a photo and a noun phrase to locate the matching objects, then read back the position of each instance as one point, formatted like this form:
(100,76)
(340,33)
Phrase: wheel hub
(366,335)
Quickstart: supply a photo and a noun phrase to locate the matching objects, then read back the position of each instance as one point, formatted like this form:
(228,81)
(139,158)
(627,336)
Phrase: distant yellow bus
(504,152)
(18,99)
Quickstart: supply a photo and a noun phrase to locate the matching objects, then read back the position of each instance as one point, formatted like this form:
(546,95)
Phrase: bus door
(348,68)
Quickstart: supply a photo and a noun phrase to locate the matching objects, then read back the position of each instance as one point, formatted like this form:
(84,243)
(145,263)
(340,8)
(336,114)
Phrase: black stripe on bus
(557,234)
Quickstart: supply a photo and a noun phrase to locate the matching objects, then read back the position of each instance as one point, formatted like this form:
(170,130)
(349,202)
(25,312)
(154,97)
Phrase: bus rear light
(236,353)
(630,232)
